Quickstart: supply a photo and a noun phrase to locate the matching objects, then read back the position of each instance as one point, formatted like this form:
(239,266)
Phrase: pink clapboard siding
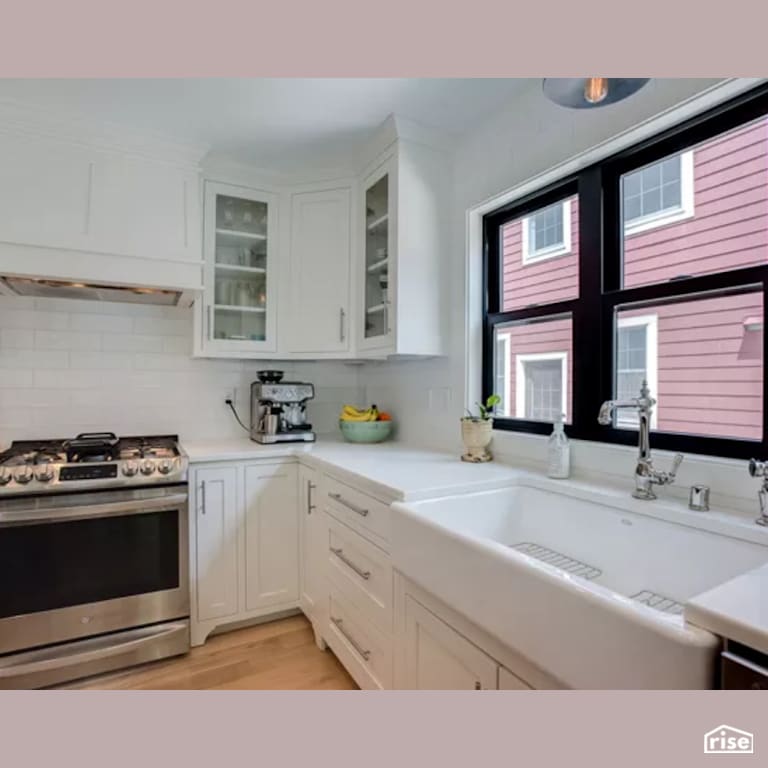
(709,357)
(729,228)
(542,282)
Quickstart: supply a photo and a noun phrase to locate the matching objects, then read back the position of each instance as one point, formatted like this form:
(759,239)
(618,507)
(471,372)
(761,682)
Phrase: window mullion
(587,355)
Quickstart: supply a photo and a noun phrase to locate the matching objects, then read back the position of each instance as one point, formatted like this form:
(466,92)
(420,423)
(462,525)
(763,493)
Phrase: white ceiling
(285,124)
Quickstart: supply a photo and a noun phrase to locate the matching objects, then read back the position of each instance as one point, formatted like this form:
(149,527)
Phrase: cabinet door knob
(342,324)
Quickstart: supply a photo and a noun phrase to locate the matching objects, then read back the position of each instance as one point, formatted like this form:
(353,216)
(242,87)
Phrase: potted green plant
(477,431)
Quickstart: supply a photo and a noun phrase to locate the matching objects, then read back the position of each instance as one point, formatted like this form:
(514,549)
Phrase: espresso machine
(279,412)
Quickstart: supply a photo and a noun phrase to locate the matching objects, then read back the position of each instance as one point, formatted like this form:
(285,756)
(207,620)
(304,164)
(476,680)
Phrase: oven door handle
(135,506)
(136,639)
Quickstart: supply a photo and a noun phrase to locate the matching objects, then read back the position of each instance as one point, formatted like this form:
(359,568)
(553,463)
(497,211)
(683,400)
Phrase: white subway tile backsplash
(164,326)
(66,340)
(101,323)
(16,378)
(17,338)
(35,359)
(98,361)
(27,318)
(68,366)
(136,342)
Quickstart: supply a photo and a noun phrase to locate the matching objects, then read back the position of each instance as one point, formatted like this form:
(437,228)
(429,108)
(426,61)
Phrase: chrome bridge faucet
(645,474)
(760,469)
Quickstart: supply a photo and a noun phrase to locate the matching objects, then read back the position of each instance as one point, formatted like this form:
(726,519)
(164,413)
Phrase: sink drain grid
(659,602)
(557,559)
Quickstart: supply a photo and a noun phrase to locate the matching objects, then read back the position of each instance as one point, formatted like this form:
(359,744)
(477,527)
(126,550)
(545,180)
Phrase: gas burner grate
(658,602)
(558,560)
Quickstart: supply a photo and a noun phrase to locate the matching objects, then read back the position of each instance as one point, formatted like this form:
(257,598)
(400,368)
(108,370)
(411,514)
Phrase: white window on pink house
(541,384)
(532,369)
(659,194)
(698,212)
(540,256)
(547,233)
(636,362)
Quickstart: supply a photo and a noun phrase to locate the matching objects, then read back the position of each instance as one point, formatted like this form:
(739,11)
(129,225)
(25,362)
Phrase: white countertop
(737,610)
(392,471)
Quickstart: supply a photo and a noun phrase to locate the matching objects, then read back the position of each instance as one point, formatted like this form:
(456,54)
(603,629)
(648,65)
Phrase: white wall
(528,138)
(70,366)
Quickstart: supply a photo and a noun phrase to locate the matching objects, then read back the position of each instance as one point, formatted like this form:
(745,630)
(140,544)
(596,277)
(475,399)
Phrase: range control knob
(44,473)
(5,476)
(147,467)
(164,466)
(22,474)
(130,468)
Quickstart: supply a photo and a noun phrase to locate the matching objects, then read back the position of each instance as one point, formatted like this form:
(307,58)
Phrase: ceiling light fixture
(590,92)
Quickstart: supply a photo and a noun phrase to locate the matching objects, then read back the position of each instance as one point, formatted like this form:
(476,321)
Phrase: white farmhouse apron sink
(567,575)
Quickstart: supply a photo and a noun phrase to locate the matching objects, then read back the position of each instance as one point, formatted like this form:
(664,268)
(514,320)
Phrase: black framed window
(649,266)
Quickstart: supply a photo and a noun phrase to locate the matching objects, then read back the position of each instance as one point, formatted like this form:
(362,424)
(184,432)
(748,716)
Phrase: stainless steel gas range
(93,556)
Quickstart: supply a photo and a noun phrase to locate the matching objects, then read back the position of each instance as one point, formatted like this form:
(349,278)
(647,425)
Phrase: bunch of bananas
(352,413)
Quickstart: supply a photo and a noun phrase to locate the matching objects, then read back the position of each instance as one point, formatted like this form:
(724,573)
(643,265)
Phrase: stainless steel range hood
(63,289)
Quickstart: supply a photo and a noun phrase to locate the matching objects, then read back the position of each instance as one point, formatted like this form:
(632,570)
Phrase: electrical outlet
(231,394)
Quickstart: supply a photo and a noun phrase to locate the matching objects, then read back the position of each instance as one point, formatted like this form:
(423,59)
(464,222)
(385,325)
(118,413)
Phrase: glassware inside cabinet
(240,269)
(377,296)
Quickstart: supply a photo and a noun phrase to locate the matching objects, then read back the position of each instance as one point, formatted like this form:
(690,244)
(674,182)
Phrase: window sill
(614,464)
(536,257)
(648,223)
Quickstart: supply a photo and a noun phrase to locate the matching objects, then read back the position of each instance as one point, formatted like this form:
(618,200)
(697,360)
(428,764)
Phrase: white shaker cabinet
(215,556)
(439,658)
(318,318)
(405,243)
(310,544)
(244,542)
(271,536)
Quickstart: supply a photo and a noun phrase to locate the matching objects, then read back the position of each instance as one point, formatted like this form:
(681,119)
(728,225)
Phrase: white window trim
(542,254)
(651,323)
(669,215)
(507,393)
(520,361)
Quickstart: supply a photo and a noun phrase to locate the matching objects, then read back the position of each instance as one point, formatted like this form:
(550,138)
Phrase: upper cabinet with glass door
(377,312)
(239,311)
(404,252)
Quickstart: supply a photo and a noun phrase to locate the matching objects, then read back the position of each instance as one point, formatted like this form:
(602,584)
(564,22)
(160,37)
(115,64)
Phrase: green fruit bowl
(365,431)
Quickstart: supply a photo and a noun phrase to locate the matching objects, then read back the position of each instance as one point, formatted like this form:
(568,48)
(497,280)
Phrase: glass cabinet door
(377,259)
(237,267)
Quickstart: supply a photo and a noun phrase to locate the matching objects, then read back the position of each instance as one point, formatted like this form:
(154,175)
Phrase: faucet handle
(676,462)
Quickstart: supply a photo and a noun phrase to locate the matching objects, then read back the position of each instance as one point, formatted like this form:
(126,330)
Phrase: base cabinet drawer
(365,652)
(361,572)
(363,513)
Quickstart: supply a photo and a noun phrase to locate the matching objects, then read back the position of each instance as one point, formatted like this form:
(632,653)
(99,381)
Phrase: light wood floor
(279,655)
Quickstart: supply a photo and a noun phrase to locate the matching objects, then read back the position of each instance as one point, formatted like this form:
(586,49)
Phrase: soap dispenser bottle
(558,451)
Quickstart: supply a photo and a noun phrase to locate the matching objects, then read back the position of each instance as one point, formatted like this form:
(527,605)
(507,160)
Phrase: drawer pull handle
(351,640)
(356,568)
(348,504)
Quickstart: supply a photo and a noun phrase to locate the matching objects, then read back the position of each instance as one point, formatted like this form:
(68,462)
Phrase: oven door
(81,564)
